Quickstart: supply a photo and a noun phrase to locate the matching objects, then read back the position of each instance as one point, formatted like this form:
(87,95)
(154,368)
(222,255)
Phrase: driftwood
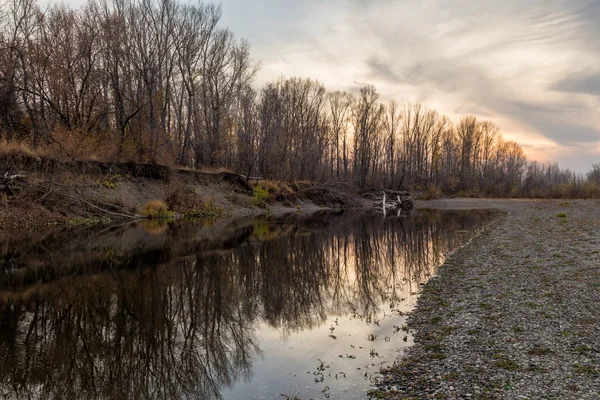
(395,200)
(9,183)
(120,215)
(389,193)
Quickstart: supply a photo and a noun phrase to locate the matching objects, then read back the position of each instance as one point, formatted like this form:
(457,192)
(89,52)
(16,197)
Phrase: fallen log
(391,200)
(9,184)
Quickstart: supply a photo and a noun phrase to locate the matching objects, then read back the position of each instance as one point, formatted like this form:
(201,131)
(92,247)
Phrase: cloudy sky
(533,66)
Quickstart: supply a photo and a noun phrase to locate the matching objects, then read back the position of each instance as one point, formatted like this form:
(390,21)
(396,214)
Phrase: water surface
(304,306)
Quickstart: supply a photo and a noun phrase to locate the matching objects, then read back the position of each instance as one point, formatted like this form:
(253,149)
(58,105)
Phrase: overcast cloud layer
(533,67)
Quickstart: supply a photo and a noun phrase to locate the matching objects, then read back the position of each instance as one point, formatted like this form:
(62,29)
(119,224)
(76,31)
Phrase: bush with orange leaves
(155,209)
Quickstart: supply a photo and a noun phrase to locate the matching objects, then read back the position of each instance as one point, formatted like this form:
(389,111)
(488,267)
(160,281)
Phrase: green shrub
(561,215)
(259,197)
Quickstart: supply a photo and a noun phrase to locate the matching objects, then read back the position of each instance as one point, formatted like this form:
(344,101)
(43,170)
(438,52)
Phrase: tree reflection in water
(187,324)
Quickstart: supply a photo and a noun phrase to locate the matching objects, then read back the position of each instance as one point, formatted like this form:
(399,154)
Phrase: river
(301,306)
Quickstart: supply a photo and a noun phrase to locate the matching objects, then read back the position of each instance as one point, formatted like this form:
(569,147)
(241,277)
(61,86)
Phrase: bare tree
(594,174)
(340,104)
(366,119)
(227,68)
(391,125)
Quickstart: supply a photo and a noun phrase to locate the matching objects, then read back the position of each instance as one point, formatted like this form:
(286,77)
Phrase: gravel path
(515,314)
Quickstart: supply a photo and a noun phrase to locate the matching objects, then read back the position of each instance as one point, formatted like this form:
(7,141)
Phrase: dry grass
(277,190)
(66,145)
(180,197)
(156,209)
(214,170)
(16,148)
(430,193)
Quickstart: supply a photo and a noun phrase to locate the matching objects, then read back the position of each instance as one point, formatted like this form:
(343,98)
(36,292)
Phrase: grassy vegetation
(72,145)
(539,351)
(586,369)
(111,182)
(206,211)
(451,376)
(88,221)
(507,364)
(430,193)
(259,196)
(156,209)
(16,148)
(268,191)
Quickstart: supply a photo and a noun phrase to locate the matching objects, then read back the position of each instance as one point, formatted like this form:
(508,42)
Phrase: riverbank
(50,193)
(514,314)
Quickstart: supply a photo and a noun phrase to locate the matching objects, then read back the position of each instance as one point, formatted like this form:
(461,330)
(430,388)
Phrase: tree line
(161,81)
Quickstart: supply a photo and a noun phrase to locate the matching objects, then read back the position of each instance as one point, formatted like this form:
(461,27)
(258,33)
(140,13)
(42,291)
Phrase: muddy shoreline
(513,314)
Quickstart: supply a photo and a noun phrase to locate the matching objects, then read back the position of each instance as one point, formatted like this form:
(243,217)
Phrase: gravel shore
(514,314)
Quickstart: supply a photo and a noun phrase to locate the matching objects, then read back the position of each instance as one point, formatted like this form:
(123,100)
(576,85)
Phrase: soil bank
(58,193)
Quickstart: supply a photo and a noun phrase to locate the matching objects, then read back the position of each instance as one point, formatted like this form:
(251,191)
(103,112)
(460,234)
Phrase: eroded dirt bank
(512,315)
(57,193)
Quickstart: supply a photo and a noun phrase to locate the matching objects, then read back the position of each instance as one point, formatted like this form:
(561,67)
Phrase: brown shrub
(156,209)
(430,193)
(180,197)
(79,145)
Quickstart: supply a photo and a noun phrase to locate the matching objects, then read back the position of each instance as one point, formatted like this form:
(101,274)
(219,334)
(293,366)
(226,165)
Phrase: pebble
(516,311)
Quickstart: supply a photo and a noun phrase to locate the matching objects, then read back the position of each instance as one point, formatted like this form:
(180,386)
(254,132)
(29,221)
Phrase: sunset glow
(531,67)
